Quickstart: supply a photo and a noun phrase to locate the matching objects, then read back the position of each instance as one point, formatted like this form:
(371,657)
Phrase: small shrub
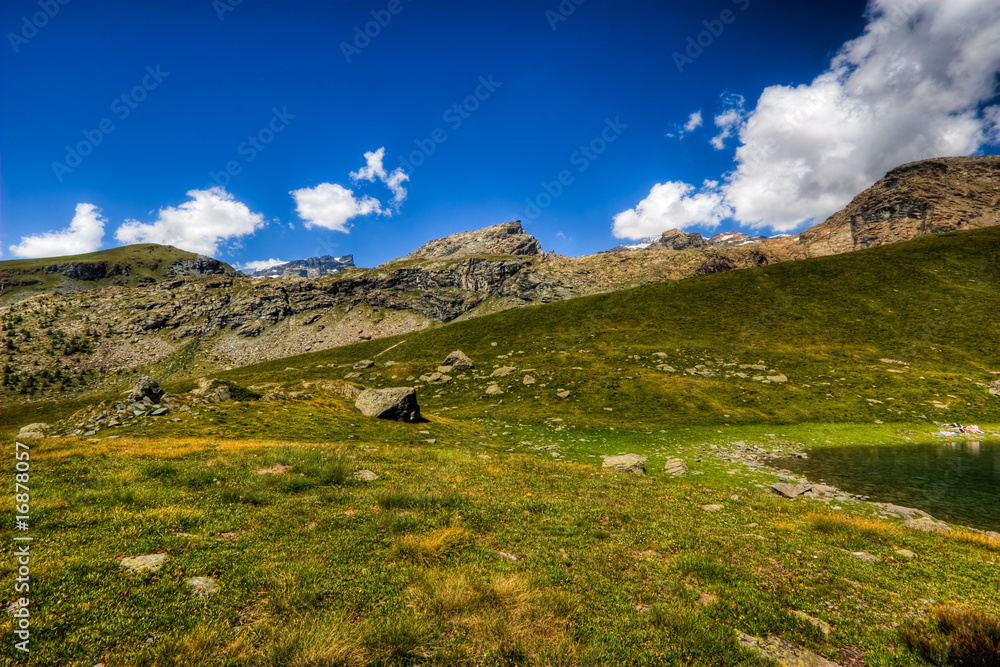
(955,635)
(435,546)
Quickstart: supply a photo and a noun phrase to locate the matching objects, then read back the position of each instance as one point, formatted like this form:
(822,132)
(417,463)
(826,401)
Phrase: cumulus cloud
(916,84)
(374,169)
(331,206)
(670,205)
(83,235)
(198,225)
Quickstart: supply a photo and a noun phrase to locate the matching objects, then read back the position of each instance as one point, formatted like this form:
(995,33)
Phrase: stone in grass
(632,464)
(786,490)
(435,378)
(528,380)
(712,508)
(820,625)
(502,371)
(365,475)
(395,403)
(865,556)
(363,364)
(146,387)
(457,361)
(906,553)
(928,525)
(202,585)
(147,563)
(32,431)
(783,652)
(493,389)
(675,467)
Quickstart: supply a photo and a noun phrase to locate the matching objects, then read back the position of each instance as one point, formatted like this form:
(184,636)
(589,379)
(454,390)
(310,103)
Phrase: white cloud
(729,121)
(199,225)
(672,205)
(83,235)
(331,205)
(258,264)
(911,87)
(694,121)
(375,170)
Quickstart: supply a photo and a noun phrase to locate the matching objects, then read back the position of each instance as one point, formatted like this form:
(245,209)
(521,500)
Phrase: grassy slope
(316,568)
(145,260)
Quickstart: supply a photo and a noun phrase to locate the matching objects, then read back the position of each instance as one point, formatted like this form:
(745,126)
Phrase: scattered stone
(222,393)
(780,377)
(675,467)
(528,380)
(820,625)
(783,652)
(563,393)
(927,524)
(791,491)
(396,403)
(278,469)
(457,361)
(712,508)
(903,512)
(906,553)
(706,599)
(159,412)
(504,554)
(33,431)
(147,563)
(503,371)
(661,355)
(643,608)
(995,388)
(666,367)
(865,556)
(146,387)
(202,585)
(493,389)
(632,464)
(365,475)
(363,364)
(435,378)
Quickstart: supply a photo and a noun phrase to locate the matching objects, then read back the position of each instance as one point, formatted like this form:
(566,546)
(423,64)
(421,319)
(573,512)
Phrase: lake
(957,481)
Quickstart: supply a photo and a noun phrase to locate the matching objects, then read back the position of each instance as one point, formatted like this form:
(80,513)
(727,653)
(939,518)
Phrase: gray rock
(493,389)
(786,490)
(396,403)
(147,563)
(675,467)
(712,508)
(146,387)
(503,371)
(365,475)
(202,585)
(435,378)
(780,377)
(783,652)
(820,625)
(363,364)
(903,512)
(528,380)
(633,464)
(157,413)
(865,556)
(995,388)
(222,393)
(563,393)
(456,361)
(906,553)
(928,525)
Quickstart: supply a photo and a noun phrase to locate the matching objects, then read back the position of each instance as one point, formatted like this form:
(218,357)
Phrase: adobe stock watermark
(381,18)
(223,7)
(30,25)
(581,158)
(454,116)
(562,12)
(22,544)
(713,30)
(252,146)
(122,107)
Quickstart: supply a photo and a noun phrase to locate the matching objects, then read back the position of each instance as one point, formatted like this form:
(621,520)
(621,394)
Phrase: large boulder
(456,362)
(35,431)
(146,387)
(633,464)
(396,403)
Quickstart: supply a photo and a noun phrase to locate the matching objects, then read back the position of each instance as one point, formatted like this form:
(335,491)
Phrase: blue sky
(480,109)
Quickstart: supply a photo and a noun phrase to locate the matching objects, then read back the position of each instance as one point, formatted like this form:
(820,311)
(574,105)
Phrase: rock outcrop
(632,464)
(508,238)
(396,403)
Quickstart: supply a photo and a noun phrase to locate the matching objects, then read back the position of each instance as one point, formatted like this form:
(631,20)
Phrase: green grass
(318,568)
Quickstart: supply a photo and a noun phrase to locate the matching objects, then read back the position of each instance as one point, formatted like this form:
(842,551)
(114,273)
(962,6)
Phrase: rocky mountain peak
(312,267)
(508,238)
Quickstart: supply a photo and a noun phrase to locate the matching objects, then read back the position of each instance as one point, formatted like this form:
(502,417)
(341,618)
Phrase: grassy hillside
(127,265)
(492,536)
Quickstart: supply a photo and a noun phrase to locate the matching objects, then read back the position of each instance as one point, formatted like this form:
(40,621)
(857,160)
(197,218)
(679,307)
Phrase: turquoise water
(956,481)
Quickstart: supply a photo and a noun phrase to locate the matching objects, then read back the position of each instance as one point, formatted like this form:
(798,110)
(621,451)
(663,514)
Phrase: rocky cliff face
(508,238)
